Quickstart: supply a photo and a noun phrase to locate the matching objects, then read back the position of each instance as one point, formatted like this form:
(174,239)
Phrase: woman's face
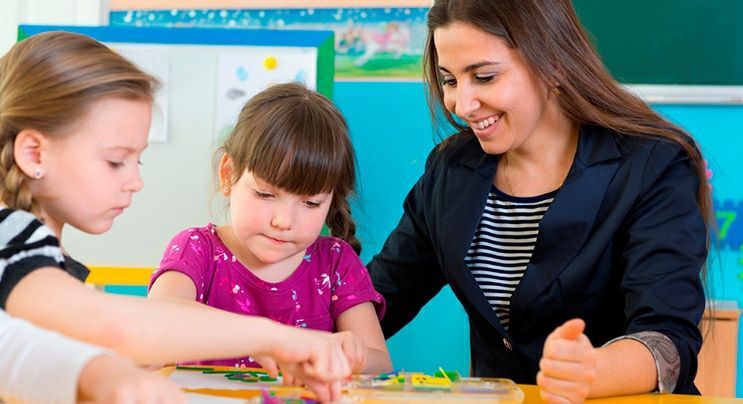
(490,87)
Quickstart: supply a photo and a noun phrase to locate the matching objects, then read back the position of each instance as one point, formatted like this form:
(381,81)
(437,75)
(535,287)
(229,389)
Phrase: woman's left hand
(568,366)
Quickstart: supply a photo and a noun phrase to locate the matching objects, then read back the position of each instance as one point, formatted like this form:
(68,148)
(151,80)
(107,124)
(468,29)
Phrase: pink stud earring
(225,191)
(37,173)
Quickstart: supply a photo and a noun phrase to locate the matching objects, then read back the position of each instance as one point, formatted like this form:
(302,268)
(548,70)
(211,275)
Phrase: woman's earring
(38,174)
(556,90)
(225,191)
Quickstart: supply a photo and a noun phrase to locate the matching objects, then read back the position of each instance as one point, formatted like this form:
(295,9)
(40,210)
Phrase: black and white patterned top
(26,244)
(502,248)
(503,244)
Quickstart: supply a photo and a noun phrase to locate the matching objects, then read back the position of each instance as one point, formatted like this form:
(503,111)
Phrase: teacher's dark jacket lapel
(565,226)
(563,230)
(462,206)
(566,223)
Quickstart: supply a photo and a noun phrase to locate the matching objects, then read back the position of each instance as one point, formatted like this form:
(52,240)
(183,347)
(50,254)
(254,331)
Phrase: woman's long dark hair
(549,36)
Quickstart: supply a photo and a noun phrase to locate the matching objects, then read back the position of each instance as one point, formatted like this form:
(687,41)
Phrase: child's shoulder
(208,232)
(333,250)
(330,242)
(194,242)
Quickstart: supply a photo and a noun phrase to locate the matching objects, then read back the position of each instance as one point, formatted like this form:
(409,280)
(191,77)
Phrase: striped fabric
(503,244)
(25,244)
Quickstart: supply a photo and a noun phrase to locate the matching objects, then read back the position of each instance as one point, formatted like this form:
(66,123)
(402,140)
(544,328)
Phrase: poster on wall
(382,39)
(241,75)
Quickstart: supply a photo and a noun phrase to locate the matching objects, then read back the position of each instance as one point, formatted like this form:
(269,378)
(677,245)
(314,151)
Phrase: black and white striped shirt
(503,244)
(26,244)
(500,251)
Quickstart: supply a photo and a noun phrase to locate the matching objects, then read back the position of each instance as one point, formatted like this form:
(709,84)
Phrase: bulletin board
(374,39)
(207,75)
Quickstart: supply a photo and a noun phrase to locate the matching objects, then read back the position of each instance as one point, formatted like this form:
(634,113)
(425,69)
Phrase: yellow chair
(120,280)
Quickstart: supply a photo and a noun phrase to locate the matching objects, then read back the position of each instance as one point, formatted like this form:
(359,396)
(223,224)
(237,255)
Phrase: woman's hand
(568,366)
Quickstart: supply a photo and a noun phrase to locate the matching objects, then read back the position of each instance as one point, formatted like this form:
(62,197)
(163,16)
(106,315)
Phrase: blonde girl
(74,118)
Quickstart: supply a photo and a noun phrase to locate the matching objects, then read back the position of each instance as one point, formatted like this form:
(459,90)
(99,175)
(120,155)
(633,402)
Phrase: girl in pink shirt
(286,169)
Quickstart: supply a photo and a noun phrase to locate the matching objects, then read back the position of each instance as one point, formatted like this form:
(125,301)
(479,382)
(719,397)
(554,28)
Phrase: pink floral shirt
(330,280)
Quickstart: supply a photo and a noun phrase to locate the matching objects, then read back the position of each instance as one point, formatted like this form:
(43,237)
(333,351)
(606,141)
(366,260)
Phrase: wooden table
(531,395)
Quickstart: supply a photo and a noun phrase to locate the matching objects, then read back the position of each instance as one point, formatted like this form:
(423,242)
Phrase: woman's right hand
(315,358)
(568,366)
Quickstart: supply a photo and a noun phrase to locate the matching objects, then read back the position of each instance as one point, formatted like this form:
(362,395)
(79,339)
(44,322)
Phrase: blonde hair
(297,140)
(47,83)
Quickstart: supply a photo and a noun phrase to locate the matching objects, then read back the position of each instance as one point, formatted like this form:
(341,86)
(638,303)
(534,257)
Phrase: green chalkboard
(677,42)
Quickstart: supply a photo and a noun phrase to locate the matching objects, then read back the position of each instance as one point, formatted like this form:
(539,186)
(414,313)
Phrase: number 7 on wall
(727,217)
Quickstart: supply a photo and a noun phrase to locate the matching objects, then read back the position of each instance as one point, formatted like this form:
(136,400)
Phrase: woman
(569,219)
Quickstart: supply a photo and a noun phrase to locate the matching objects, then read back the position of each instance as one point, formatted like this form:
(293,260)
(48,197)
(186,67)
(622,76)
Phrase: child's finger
(269,365)
(343,366)
(334,363)
(321,390)
(336,358)
(319,363)
(360,356)
(174,396)
(286,378)
(335,390)
(350,350)
(168,392)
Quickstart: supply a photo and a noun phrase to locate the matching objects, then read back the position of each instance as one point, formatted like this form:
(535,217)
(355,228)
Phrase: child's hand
(321,389)
(313,357)
(110,379)
(568,366)
(355,350)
